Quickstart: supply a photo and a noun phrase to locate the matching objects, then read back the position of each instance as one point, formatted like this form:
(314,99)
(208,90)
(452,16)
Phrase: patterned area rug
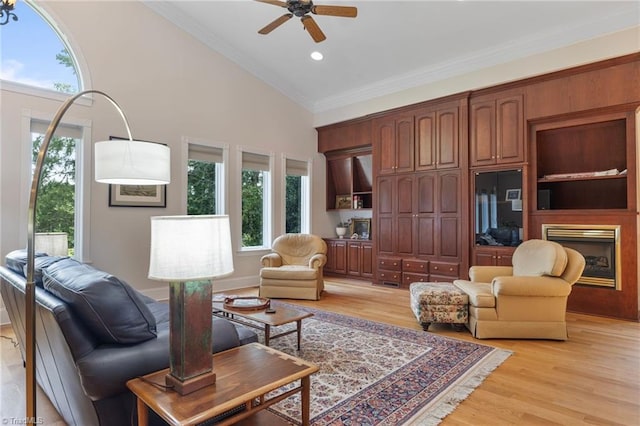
(378,374)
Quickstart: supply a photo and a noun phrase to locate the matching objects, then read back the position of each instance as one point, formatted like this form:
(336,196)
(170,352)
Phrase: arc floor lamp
(125,162)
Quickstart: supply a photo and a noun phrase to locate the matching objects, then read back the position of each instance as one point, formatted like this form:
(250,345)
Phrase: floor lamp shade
(132,162)
(188,251)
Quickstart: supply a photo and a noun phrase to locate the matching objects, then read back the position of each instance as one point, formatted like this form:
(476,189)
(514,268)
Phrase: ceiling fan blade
(274,2)
(275,24)
(314,30)
(344,11)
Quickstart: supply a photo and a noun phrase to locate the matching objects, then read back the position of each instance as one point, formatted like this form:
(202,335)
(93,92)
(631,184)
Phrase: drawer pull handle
(450,269)
(435,267)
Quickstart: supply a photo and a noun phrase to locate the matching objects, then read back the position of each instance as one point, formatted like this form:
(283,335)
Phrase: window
(296,196)
(256,200)
(205,180)
(51,65)
(57,204)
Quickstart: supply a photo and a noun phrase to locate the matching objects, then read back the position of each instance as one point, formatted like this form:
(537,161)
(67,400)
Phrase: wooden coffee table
(265,321)
(244,376)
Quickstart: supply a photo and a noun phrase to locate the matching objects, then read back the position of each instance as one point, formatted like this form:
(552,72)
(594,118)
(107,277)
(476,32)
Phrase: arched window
(33,53)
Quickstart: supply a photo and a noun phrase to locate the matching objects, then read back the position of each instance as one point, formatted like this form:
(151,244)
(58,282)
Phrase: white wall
(609,46)
(170,86)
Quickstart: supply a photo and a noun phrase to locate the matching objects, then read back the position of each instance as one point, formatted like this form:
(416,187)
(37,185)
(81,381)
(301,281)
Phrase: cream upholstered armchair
(526,300)
(294,268)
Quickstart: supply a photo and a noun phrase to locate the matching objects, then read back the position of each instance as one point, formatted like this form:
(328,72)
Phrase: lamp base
(184,387)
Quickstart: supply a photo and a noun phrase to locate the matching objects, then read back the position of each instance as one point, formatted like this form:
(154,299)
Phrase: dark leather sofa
(82,370)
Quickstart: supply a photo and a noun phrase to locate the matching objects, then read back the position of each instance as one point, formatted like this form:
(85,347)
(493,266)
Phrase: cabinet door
(404,213)
(404,144)
(449,215)
(366,260)
(509,130)
(340,255)
(385,196)
(482,133)
(447,138)
(485,258)
(424,219)
(425,141)
(330,266)
(353,258)
(384,136)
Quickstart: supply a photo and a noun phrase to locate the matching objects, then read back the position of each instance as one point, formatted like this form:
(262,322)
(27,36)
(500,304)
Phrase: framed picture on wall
(137,195)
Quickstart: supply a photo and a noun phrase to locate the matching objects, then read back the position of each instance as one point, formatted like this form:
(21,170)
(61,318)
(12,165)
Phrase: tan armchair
(526,300)
(294,269)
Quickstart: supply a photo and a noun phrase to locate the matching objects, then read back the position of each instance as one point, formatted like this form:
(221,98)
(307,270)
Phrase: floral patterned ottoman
(439,302)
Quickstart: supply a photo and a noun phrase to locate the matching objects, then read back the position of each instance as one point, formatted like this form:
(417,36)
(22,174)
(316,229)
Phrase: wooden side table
(244,376)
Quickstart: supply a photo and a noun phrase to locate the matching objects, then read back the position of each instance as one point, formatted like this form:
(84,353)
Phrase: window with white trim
(58,204)
(296,197)
(256,200)
(205,180)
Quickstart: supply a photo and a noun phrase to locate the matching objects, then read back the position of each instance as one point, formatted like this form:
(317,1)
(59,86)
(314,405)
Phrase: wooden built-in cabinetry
(352,258)
(572,135)
(349,175)
(496,130)
(418,192)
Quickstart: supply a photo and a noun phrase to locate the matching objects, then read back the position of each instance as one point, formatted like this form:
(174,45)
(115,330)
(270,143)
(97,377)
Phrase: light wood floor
(591,379)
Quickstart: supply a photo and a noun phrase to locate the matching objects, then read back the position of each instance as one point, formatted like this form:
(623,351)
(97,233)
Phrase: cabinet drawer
(444,268)
(389,277)
(390,263)
(408,278)
(415,265)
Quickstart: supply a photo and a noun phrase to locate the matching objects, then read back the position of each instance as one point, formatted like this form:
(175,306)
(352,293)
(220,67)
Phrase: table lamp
(189,251)
(52,243)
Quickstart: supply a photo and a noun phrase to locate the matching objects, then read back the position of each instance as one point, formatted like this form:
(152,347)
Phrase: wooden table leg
(267,334)
(305,399)
(299,329)
(143,413)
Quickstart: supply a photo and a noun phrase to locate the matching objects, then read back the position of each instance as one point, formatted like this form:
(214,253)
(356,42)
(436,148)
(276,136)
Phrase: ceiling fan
(301,9)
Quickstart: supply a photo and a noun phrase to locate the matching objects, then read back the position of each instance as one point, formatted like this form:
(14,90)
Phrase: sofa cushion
(110,308)
(17,262)
(539,257)
(289,272)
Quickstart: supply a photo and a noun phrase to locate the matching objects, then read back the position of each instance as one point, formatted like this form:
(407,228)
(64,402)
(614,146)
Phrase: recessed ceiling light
(316,56)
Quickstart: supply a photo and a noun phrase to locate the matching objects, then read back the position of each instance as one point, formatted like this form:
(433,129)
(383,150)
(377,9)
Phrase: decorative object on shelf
(342,228)
(6,11)
(116,162)
(512,194)
(246,303)
(189,251)
(343,201)
(362,228)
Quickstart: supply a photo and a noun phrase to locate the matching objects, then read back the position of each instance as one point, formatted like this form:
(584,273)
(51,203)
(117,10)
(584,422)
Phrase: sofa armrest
(530,286)
(486,274)
(317,261)
(271,260)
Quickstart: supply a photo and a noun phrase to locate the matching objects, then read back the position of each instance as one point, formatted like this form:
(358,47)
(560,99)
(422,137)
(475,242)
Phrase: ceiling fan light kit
(301,9)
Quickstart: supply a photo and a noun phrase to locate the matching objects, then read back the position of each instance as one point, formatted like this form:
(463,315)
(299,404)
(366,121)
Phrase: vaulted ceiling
(390,45)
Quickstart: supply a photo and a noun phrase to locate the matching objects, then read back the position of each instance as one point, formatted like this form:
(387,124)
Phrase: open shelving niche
(570,177)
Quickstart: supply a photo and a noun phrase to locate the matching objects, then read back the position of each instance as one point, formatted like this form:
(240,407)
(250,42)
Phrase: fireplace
(600,246)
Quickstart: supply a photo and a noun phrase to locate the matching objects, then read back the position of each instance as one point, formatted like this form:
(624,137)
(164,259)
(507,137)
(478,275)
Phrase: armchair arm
(272,260)
(485,274)
(317,261)
(530,286)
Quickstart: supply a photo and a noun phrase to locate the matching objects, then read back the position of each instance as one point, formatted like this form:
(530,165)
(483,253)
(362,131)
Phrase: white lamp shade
(128,162)
(52,243)
(190,248)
